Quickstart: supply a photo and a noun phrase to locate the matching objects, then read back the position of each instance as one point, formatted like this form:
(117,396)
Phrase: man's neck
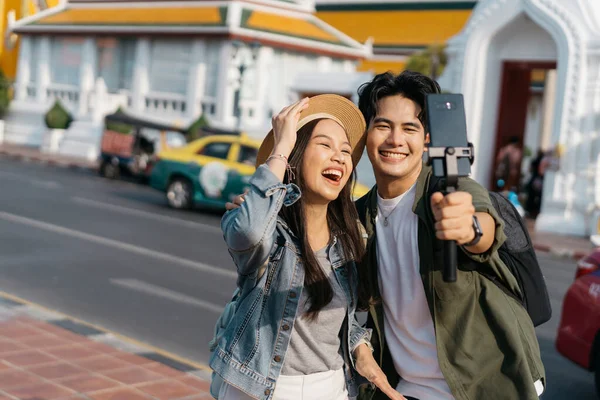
(389,188)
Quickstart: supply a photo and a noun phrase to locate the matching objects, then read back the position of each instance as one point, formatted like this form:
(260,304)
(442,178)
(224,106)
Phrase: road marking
(13,175)
(45,184)
(32,181)
(159,291)
(146,214)
(117,244)
(101,328)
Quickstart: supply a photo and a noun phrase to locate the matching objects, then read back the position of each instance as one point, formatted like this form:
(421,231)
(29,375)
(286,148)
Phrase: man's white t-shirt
(408,325)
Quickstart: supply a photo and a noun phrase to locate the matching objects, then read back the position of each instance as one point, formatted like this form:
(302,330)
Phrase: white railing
(104,103)
(208,105)
(166,103)
(67,94)
(31,91)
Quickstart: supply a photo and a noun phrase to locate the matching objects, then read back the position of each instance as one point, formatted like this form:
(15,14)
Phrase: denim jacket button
(268,392)
(293,295)
(285,327)
(277,359)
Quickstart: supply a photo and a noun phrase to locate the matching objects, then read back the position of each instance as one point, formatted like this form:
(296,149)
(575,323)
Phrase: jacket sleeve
(249,230)
(358,335)
(483,204)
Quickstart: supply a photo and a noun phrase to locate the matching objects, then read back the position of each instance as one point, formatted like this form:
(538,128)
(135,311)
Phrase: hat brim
(327,106)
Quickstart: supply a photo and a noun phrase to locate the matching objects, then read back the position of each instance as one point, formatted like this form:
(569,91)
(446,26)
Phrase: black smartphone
(447,127)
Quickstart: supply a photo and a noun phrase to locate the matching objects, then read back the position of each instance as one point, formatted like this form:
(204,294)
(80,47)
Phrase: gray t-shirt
(315,345)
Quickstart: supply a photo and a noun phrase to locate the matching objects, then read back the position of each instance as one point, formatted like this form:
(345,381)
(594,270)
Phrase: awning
(156,16)
(300,31)
(306,28)
(398,25)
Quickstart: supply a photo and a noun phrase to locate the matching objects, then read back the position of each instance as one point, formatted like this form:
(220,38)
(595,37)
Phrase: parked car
(129,145)
(579,331)
(209,171)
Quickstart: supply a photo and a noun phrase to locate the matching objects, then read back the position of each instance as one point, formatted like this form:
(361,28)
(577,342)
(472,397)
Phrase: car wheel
(180,194)
(109,170)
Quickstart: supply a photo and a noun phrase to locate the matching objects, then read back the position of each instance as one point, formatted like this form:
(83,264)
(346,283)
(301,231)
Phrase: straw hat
(327,106)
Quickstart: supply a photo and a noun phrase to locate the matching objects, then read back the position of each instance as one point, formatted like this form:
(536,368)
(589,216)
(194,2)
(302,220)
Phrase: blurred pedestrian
(535,185)
(508,162)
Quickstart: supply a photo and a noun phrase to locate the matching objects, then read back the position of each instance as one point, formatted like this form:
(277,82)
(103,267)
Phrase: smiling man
(434,340)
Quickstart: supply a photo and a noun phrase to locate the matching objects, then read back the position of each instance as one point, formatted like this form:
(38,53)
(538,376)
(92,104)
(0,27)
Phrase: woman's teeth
(332,174)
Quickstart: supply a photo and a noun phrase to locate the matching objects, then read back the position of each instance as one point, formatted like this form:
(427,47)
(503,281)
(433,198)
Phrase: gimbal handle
(450,156)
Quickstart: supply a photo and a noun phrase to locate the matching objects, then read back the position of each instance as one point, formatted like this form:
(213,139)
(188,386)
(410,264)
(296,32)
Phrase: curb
(560,252)
(101,335)
(47,160)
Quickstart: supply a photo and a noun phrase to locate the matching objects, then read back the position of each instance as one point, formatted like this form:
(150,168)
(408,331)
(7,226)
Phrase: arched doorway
(500,36)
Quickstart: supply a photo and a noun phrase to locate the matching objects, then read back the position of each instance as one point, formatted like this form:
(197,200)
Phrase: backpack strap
(361,208)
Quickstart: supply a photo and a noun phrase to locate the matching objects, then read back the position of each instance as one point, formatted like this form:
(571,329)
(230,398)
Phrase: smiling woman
(295,240)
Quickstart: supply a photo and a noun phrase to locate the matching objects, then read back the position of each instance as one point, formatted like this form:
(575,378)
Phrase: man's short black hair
(514,140)
(409,84)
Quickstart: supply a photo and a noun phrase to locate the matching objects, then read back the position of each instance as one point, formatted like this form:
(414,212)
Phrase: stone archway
(471,72)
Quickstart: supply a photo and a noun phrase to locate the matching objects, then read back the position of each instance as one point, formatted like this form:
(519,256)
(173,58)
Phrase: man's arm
(454,219)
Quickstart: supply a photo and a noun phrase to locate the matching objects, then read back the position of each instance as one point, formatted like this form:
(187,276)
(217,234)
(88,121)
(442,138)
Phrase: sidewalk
(574,247)
(46,356)
(26,153)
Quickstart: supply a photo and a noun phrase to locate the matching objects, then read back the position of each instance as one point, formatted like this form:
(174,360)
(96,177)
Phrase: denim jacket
(251,352)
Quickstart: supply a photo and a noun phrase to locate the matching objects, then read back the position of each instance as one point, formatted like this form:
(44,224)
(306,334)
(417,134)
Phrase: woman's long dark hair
(342,219)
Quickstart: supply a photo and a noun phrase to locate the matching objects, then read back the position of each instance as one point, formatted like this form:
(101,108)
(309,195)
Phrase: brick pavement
(46,356)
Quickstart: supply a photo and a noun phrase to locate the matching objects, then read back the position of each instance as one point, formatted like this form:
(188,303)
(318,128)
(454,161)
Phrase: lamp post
(242,67)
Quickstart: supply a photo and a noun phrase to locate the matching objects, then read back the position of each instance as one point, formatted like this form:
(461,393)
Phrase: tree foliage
(5,88)
(430,62)
(195,129)
(58,117)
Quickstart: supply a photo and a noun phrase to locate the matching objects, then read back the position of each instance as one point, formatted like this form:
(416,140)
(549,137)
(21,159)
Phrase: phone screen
(447,127)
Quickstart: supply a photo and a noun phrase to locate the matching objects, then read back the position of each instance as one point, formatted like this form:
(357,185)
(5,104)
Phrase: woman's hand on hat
(285,127)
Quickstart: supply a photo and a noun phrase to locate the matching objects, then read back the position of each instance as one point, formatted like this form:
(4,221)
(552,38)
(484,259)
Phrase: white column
(196,79)
(262,71)
(24,67)
(141,82)
(324,64)
(225,88)
(548,109)
(43,78)
(87,74)
(349,66)
(567,201)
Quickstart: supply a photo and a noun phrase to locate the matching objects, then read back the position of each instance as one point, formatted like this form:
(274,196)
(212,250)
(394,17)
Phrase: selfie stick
(450,155)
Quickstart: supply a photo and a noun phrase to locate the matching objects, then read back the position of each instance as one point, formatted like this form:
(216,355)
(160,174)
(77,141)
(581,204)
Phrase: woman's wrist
(282,150)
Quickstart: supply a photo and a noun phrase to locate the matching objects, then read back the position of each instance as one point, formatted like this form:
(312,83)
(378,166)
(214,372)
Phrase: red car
(579,331)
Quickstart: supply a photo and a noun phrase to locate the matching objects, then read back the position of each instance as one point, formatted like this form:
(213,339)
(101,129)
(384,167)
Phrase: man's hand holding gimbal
(454,213)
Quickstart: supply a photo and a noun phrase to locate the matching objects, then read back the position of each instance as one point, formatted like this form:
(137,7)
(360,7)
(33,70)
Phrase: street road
(111,253)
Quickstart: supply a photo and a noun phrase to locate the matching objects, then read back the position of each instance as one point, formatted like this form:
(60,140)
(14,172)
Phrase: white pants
(330,385)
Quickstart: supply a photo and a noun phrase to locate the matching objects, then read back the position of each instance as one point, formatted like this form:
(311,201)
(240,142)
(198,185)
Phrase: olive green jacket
(486,342)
